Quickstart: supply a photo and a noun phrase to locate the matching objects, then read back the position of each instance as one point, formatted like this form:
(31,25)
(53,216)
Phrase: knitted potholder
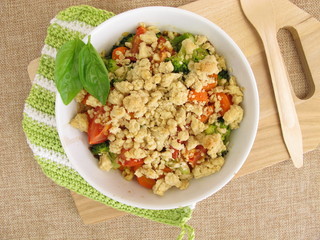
(39,122)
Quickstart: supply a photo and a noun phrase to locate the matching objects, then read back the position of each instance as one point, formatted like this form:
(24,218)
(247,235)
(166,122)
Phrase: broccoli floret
(224,74)
(99,149)
(184,169)
(103,148)
(176,42)
(199,54)
(225,136)
(179,61)
(110,64)
(224,153)
(125,39)
(213,128)
(159,34)
(122,42)
(180,64)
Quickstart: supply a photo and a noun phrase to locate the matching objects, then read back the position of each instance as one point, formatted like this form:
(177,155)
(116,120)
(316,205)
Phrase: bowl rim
(255,105)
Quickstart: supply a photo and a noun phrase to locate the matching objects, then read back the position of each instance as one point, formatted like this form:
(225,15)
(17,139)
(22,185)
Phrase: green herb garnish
(66,72)
(79,66)
(93,73)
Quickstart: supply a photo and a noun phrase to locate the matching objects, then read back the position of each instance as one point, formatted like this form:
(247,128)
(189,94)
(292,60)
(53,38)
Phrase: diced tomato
(97,133)
(129,162)
(225,102)
(208,111)
(163,50)
(115,52)
(161,47)
(146,182)
(230,98)
(133,162)
(122,153)
(167,170)
(163,55)
(132,59)
(131,114)
(135,44)
(121,168)
(84,100)
(196,154)
(161,40)
(198,96)
(175,153)
(135,168)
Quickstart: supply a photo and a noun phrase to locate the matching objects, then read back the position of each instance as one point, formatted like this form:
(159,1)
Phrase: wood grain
(269,147)
(92,211)
(266,27)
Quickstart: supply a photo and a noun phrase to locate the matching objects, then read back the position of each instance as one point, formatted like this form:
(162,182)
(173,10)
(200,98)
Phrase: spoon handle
(290,127)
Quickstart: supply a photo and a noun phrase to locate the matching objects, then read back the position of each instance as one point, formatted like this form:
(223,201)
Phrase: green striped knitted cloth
(39,122)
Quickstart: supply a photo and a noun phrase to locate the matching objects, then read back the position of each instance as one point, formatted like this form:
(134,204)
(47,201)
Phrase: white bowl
(112,184)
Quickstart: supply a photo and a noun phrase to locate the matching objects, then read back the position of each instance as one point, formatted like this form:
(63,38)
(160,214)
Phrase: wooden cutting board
(269,147)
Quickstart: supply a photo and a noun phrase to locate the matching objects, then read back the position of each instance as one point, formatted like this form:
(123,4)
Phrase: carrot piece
(210,86)
(198,96)
(215,76)
(136,39)
(140,30)
(225,102)
(207,113)
(116,55)
(146,182)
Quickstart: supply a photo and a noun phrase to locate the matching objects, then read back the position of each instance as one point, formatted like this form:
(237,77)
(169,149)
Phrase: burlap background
(276,203)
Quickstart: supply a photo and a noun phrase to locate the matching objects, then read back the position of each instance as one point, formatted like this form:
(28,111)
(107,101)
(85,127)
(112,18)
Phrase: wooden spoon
(261,14)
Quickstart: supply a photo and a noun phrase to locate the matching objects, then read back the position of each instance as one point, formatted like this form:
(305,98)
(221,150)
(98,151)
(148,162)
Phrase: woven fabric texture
(279,202)
(39,117)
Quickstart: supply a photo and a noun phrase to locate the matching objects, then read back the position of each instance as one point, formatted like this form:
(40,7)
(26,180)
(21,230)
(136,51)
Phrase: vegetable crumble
(170,111)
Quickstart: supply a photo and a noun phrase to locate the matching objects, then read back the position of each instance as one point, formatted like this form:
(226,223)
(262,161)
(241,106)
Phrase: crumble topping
(170,125)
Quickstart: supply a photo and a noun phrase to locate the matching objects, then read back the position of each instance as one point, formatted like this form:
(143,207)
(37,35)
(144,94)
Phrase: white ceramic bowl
(111,183)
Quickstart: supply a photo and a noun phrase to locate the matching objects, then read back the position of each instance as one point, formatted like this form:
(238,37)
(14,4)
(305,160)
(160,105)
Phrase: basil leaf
(93,73)
(66,72)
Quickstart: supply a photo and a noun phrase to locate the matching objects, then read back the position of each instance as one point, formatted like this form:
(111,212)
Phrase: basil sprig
(66,72)
(93,73)
(79,66)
